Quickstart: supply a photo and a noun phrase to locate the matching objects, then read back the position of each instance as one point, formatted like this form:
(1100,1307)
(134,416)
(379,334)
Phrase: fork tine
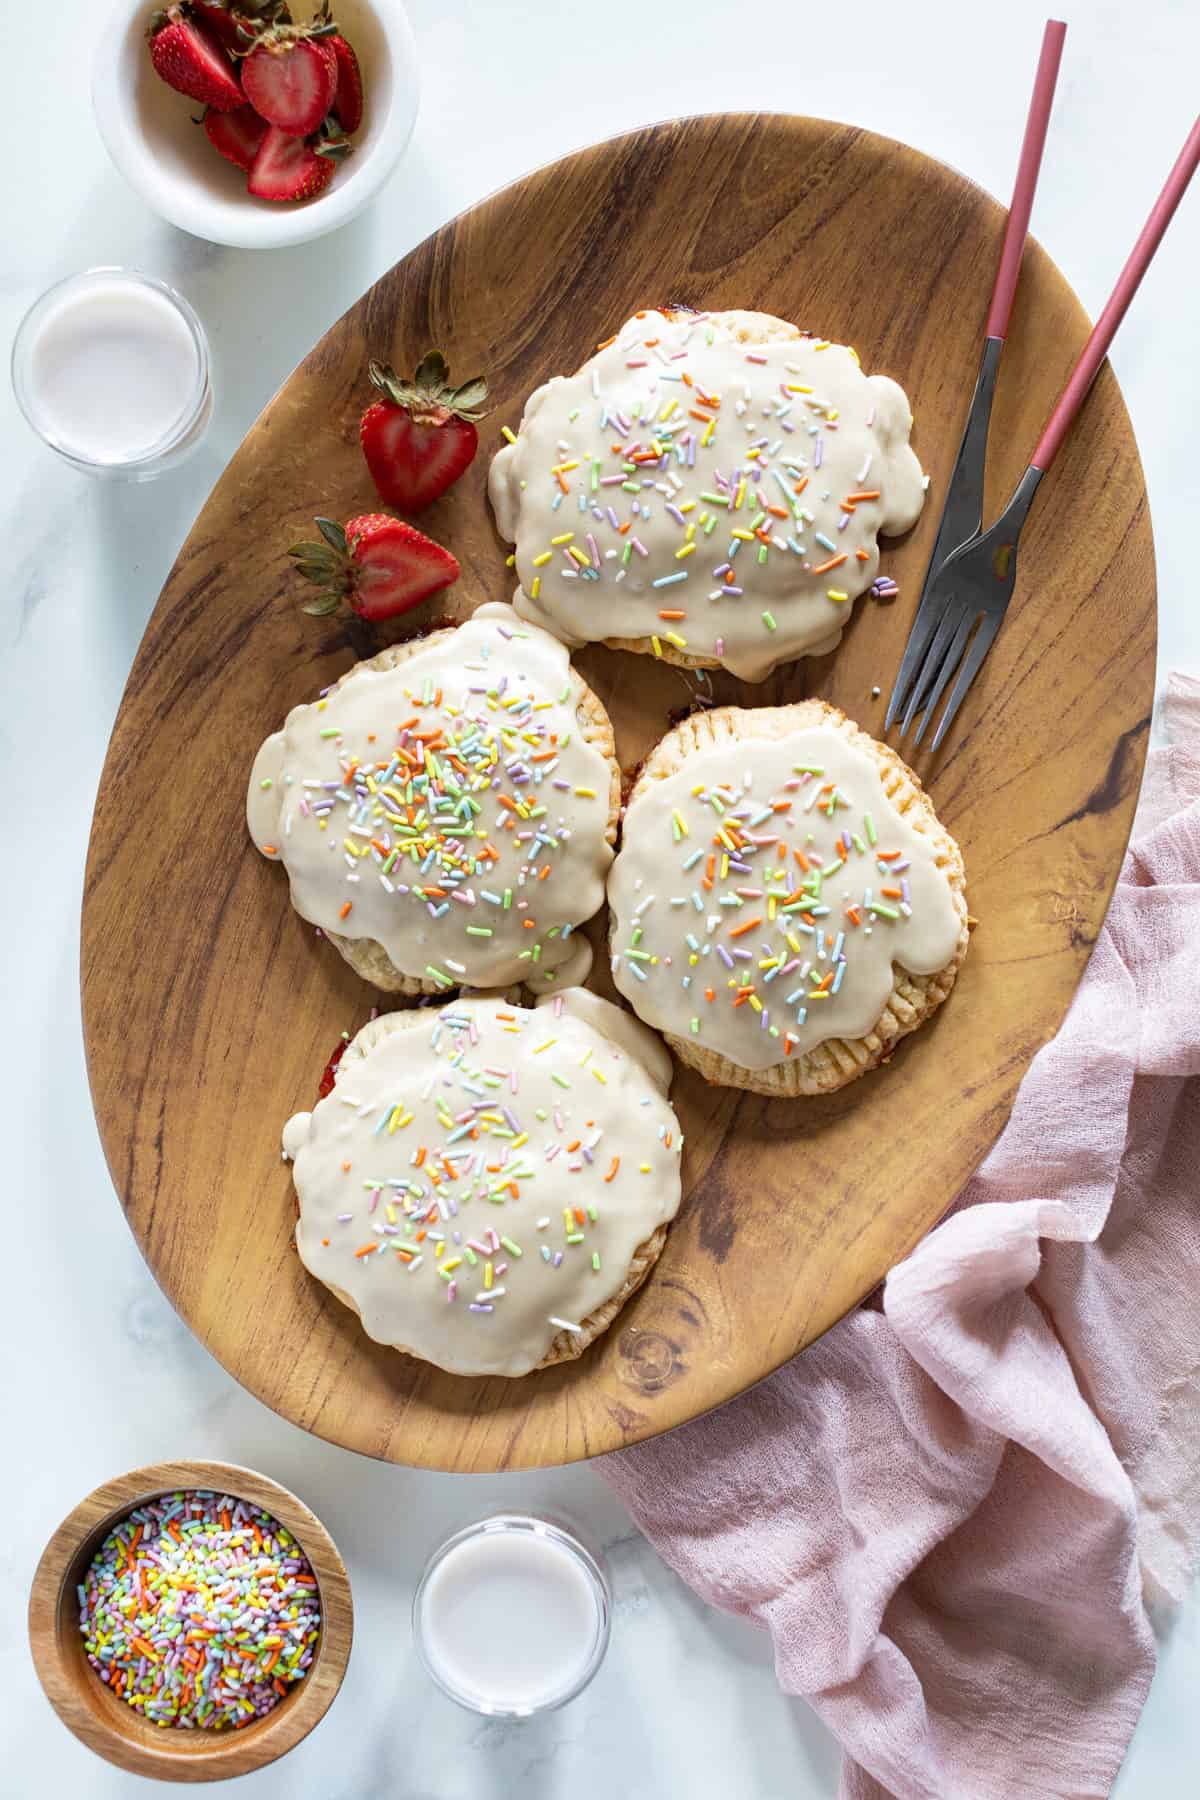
(923,627)
(989,625)
(950,662)
(947,625)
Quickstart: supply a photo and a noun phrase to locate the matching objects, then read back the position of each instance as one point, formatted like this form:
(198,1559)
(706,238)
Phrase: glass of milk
(111,369)
(512,1616)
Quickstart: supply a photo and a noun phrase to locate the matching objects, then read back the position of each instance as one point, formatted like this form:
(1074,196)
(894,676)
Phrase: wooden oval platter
(210,1009)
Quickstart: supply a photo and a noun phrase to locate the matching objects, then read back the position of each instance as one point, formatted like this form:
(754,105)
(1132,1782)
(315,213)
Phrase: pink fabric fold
(953,1515)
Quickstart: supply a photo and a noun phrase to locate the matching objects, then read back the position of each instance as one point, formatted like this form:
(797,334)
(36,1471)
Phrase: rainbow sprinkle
(199,1610)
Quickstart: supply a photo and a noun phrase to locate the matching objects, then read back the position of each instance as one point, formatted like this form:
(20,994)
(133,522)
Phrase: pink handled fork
(975,583)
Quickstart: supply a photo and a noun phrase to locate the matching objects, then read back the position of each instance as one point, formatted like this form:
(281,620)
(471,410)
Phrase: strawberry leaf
(320,609)
(470,396)
(432,372)
(428,396)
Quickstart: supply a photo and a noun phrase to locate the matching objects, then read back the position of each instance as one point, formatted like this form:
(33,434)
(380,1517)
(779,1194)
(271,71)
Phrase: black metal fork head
(972,592)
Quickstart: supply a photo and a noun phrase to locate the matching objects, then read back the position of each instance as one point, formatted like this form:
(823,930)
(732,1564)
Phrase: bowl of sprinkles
(191,1621)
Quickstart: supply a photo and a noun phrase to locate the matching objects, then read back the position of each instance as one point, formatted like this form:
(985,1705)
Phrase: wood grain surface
(110,1727)
(209,1008)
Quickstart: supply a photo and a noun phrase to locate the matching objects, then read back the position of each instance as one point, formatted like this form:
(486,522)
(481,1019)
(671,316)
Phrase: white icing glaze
(537,798)
(294,1134)
(799,429)
(775,864)
(561,1105)
(627,1033)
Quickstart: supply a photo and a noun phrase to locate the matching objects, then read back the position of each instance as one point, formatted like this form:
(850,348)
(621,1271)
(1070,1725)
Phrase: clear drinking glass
(512,1615)
(111,369)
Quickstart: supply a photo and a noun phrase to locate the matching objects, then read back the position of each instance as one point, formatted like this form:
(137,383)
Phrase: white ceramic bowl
(148,131)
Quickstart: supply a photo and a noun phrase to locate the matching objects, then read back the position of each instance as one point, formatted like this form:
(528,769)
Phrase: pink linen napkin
(952,1514)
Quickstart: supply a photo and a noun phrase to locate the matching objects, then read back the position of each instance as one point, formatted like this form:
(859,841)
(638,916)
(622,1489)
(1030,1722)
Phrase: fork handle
(1027,174)
(1104,330)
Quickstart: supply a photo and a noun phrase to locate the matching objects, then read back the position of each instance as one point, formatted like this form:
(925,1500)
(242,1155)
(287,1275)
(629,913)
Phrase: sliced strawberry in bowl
(236,23)
(420,436)
(192,62)
(380,565)
(219,22)
(287,167)
(237,135)
(348,95)
(290,78)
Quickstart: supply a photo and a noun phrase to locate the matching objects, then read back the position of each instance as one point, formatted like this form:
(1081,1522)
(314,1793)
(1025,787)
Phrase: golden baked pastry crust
(914,998)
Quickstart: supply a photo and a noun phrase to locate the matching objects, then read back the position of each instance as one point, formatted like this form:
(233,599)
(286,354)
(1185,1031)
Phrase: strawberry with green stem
(348,96)
(379,565)
(420,435)
(192,62)
(291,75)
(236,23)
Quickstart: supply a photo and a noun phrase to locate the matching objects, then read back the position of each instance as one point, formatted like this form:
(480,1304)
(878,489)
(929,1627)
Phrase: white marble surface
(99,1374)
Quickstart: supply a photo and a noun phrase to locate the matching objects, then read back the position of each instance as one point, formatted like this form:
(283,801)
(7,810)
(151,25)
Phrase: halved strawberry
(348,97)
(219,22)
(237,134)
(348,94)
(290,78)
(420,437)
(192,62)
(236,23)
(379,564)
(286,167)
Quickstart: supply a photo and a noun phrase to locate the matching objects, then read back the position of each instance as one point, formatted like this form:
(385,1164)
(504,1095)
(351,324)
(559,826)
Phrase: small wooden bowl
(116,1731)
